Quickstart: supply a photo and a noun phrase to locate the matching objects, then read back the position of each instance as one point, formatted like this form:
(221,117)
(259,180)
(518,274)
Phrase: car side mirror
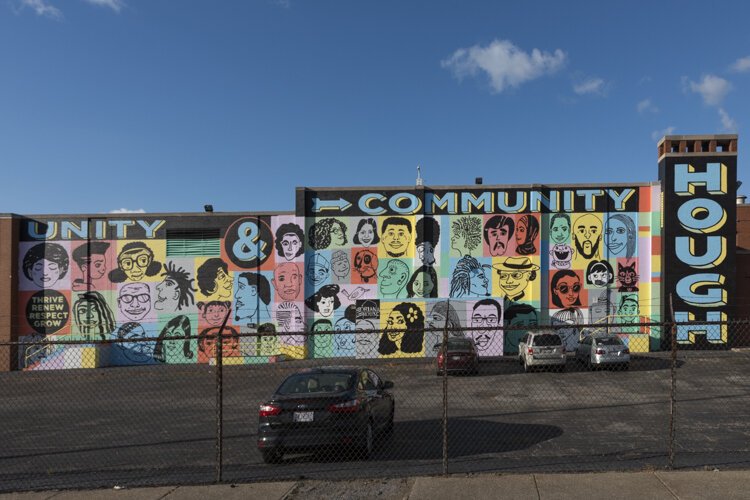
(387,384)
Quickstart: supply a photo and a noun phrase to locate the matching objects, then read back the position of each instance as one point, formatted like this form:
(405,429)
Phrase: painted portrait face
(137,352)
(134,301)
(513,283)
(396,239)
(340,267)
(338,238)
(167,295)
(567,290)
(135,263)
(290,245)
(522,229)
(458,242)
(484,316)
(588,233)
(325,306)
(478,282)
(246,299)
(395,328)
(560,231)
(171,342)
(616,236)
(287,280)
(95,267)
(366,262)
(366,234)
(223,284)
(629,311)
(435,319)
(561,253)
(599,310)
(392,278)
(344,325)
(317,270)
(423,285)
(214,314)
(426,253)
(497,240)
(600,276)
(290,320)
(346,342)
(45,273)
(87,316)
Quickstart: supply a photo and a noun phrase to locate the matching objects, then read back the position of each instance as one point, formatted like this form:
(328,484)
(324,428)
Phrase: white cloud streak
(505,64)
(727,122)
(115,5)
(127,211)
(658,134)
(42,8)
(741,65)
(646,106)
(590,86)
(712,88)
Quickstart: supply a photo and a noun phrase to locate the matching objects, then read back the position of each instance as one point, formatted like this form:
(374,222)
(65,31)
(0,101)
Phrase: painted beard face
(396,240)
(587,249)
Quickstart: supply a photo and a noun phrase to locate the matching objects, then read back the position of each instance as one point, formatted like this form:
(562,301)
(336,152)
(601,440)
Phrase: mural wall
(352,261)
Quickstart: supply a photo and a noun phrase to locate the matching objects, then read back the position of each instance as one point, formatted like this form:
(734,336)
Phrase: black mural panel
(698,246)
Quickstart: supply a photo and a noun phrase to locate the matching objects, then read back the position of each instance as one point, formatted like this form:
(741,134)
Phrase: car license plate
(303,416)
(456,358)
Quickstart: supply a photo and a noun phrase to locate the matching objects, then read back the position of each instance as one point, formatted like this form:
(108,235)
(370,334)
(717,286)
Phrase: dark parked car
(461,356)
(328,407)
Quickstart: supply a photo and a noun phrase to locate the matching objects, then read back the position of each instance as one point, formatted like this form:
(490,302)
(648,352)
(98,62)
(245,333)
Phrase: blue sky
(164,106)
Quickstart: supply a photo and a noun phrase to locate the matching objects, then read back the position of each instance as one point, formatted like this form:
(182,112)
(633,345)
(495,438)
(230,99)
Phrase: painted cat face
(626,275)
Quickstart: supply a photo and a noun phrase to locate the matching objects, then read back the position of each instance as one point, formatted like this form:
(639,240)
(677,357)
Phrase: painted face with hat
(514,274)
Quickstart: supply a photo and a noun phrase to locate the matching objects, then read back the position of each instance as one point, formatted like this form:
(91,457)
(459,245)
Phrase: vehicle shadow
(509,366)
(423,440)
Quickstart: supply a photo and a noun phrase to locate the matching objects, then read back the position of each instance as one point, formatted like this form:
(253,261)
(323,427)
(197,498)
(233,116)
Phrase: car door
(522,344)
(381,407)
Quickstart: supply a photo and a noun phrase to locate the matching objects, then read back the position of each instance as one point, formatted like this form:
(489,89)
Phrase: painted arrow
(319,205)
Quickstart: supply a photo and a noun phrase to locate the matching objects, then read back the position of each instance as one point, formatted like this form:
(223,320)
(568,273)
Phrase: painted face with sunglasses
(134,301)
(567,290)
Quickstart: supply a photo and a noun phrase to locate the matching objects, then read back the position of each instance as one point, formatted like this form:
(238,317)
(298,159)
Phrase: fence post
(219,355)
(444,352)
(673,384)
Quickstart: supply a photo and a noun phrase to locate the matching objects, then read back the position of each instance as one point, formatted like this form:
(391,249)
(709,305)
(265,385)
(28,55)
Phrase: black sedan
(342,408)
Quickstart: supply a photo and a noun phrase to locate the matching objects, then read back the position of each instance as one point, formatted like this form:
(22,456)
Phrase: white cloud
(504,63)
(127,211)
(727,122)
(645,106)
(590,86)
(284,4)
(42,8)
(741,65)
(115,5)
(658,134)
(712,88)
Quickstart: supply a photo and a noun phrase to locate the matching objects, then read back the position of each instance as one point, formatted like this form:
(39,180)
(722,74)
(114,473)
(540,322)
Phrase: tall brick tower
(698,175)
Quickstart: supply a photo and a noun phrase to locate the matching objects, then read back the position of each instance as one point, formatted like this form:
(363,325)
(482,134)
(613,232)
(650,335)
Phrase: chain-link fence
(560,398)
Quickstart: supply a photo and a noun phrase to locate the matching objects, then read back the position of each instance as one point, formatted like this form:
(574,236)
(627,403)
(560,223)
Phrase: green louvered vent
(193,242)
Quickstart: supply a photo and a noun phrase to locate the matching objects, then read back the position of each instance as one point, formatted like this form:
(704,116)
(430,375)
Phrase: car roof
(331,369)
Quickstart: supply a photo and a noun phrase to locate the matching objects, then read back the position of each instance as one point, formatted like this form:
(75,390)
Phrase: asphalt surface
(157,425)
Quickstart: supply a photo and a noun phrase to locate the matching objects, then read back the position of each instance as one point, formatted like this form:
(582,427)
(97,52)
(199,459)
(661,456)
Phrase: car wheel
(271,456)
(626,366)
(589,366)
(367,442)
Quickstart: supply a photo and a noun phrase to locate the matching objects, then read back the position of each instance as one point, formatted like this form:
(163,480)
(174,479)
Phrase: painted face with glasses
(568,289)
(135,263)
(134,301)
(484,316)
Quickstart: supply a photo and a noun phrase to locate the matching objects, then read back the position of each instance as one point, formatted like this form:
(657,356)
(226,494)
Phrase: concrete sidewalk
(609,485)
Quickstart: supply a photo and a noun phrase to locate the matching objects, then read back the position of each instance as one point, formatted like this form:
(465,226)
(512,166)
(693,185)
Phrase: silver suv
(542,348)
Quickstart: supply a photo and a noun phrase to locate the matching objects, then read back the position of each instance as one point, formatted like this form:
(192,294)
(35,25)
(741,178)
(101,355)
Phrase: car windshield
(310,383)
(609,341)
(547,340)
